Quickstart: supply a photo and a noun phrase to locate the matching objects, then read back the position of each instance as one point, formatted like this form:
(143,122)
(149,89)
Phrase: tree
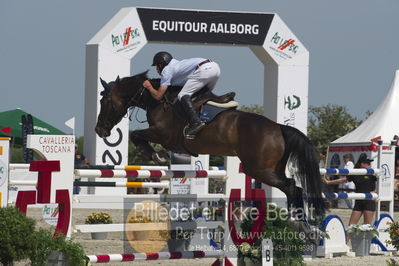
(253,108)
(329,122)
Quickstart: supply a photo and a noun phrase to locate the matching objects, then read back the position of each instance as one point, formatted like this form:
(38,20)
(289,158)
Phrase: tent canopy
(382,123)
(12,119)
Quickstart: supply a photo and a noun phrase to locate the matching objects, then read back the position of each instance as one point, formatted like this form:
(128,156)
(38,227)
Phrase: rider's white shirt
(176,72)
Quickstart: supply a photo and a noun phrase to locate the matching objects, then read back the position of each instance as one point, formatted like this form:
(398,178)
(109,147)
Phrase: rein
(135,102)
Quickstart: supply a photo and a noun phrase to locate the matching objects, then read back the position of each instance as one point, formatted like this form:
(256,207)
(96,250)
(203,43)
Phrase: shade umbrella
(11,125)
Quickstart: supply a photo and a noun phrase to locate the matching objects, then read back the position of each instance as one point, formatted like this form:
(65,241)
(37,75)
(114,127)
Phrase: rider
(192,74)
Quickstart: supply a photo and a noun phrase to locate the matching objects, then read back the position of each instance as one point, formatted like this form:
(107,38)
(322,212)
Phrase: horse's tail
(302,153)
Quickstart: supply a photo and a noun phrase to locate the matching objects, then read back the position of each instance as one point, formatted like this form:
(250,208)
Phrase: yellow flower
(245,248)
(96,218)
(255,252)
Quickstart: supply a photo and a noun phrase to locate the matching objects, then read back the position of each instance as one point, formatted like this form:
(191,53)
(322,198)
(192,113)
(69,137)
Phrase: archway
(109,52)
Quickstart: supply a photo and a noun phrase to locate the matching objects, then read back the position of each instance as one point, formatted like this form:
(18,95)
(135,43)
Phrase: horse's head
(117,97)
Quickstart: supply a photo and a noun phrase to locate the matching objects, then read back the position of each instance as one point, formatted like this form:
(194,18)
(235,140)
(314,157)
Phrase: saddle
(210,96)
(208,105)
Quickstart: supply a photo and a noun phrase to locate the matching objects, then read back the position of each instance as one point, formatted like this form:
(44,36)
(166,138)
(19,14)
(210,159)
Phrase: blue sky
(353,49)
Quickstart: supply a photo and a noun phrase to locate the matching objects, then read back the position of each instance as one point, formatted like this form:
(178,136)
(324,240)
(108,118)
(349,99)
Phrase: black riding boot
(195,123)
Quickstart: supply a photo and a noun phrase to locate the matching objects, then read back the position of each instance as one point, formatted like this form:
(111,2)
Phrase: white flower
(366,227)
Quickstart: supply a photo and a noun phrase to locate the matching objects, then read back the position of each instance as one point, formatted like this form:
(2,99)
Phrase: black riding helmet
(162,58)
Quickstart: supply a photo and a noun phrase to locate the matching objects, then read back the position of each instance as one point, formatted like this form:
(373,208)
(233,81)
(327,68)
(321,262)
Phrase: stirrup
(189,133)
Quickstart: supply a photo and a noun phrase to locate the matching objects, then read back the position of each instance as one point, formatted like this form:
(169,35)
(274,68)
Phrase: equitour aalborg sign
(204,26)
(110,51)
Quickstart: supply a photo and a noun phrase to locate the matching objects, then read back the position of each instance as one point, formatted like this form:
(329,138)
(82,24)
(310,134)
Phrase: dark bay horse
(262,145)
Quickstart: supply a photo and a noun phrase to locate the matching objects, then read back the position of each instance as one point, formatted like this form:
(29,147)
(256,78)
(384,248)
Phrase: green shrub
(44,243)
(19,241)
(393,231)
(16,234)
(288,245)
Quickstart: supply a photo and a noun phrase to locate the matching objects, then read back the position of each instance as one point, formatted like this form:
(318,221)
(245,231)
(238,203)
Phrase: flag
(71,123)
(6,130)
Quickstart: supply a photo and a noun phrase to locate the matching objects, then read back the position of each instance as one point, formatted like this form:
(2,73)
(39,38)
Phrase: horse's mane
(137,79)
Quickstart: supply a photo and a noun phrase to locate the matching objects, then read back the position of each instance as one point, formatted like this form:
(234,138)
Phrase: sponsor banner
(281,43)
(292,102)
(56,148)
(50,213)
(385,188)
(205,26)
(125,38)
(187,162)
(180,186)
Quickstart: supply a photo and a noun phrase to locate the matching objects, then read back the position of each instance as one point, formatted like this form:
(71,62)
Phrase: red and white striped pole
(155,256)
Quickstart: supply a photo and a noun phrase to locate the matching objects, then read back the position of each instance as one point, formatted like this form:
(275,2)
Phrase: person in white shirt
(348,186)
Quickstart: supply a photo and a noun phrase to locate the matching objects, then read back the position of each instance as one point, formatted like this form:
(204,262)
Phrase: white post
(286,75)
(385,184)
(109,54)
(4,175)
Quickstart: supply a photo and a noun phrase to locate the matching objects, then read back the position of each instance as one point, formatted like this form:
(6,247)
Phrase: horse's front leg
(141,139)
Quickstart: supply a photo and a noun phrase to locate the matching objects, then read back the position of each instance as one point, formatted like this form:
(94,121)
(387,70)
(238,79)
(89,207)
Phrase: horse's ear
(105,85)
(117,79)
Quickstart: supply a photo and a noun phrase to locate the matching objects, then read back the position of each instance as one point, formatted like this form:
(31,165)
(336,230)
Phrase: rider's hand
(147,84)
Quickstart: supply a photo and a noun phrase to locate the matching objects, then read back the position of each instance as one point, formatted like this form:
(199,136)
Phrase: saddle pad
(209,112)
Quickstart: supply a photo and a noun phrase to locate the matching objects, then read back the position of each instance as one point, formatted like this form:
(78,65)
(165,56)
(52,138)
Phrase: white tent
(382,123)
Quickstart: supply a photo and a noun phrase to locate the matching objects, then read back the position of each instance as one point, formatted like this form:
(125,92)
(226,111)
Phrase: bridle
(135,102)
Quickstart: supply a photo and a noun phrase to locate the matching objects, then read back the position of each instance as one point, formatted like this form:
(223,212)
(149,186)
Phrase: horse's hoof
(158,158)
(189,137)
(308,233)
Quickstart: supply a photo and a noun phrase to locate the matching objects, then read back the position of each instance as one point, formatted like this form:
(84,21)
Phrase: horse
(263,146)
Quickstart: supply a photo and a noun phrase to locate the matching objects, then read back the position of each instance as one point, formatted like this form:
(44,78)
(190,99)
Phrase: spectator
(347,186)
(396,180)
(80,162)
(80,159)
(364,184)
(322,160)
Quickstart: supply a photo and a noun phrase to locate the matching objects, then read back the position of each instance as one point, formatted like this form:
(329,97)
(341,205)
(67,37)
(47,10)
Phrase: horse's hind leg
(286,185)
(294,197)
